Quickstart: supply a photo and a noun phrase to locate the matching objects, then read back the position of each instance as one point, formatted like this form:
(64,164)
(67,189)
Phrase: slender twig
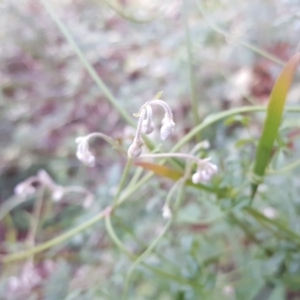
(114,102)
(192,81)
(228,37)
(123,14)
(34,219)
(155,242)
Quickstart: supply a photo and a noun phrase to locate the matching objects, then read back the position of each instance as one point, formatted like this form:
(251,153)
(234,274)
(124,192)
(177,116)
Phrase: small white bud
(24,189)
(135,149)
(147,123)
(83,152)
(147,127)
(88,201)
(205,172)
(270,212)
(58,193)
(166,212)
(167,128)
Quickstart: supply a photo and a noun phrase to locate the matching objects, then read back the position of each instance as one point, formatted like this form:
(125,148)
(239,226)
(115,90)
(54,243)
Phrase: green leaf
(272,121)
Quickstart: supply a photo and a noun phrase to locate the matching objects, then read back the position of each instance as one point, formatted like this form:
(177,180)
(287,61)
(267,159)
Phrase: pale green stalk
(108,139)
(113,101)
(192,80)
(122,182)
(285,169)
(211,119)
(34,222)
(148,251)
(123,14)
(251,47)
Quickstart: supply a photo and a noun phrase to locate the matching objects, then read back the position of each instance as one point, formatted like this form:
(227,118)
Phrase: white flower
(83,152)
(270,212)
(166,212)
(167,128)
(147,123)
(135,149)
(25,188)
(205,171)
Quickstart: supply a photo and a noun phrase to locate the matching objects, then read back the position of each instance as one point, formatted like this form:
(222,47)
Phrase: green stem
(57,240)
(219,30)
(118,243)
(122,182)
(192,81)
(153,244)
(34,222)
(123,14)
(211,119)
(113,101)
(285,169)
(108,139)
(293,236)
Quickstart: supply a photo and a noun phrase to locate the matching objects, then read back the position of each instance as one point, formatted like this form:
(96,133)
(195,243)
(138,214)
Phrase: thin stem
(283,229)
(177,155)
(138,135)
(115,238)
(164,105)
(192,81)
(114,102)
(213,118)
(108,139)
(151,246)
(122,182)
(121,246)
(285,169)
(35,218)
(57,240)
(219,30)
(123,14)
(138,172)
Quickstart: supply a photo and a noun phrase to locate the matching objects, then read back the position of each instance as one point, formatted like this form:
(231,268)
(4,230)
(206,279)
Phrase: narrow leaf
(272,121)
(160,170)
(175,175)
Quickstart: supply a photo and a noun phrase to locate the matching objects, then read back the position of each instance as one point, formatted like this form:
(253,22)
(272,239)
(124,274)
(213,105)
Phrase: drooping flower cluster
(42,179)
(205,169)
(146,125)
(30,185)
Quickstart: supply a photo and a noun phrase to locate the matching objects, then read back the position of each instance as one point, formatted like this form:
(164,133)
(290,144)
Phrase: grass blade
(272,121)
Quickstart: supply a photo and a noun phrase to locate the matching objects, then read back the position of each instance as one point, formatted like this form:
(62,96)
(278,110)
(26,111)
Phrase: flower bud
(135,149)
(205,172)
(166,212)
(167,128)
(83,152)
(147,127)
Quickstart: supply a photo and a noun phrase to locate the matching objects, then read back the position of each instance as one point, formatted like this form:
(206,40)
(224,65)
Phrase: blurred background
(225,54)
